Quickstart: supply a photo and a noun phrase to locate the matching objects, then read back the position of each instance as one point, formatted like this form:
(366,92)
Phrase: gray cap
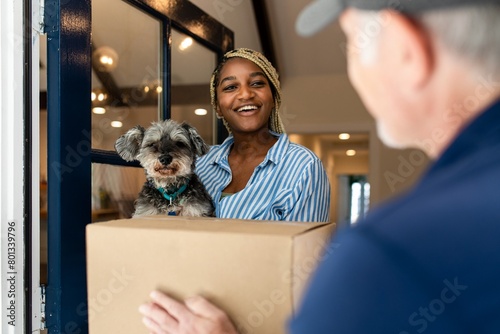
(320,13)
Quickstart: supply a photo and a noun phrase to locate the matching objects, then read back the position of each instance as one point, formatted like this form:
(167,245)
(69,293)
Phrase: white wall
(328,103)
(12,181)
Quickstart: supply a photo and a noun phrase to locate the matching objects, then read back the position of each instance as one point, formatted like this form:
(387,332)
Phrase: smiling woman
(245,99)
(257,173)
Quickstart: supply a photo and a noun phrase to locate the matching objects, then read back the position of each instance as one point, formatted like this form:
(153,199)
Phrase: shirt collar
(223,151)
(482,132)
(275,153)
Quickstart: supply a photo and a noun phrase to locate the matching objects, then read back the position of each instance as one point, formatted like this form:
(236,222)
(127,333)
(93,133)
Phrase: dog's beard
(161,170)
(165,175)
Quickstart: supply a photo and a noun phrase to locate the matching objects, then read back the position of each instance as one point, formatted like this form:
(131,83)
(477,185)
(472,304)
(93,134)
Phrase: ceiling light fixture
(201,112)
(186,43)
(105,58)
(116,124)
(344,136)
(350,153)
(99,110)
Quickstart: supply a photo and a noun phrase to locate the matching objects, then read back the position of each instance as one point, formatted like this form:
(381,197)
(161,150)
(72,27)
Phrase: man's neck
(466,100)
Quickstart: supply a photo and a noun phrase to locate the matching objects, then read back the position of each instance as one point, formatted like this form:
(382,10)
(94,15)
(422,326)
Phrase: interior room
(320,109)
(274,207)
(318,100)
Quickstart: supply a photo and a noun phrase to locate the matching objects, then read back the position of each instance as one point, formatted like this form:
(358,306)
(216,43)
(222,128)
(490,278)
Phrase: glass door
(112,65)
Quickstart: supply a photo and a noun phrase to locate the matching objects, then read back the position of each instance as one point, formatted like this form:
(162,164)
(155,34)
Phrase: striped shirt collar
(274,154)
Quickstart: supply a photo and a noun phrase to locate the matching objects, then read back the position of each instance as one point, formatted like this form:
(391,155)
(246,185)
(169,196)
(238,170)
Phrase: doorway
(345,155)
(102,79)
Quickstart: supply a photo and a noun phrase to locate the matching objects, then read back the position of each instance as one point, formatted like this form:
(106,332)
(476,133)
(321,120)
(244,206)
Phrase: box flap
(207,224)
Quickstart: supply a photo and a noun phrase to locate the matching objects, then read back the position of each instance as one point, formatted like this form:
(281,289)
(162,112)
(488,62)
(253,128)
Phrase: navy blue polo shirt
(426,262)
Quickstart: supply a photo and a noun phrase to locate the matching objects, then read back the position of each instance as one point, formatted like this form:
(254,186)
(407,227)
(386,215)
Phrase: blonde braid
(275,123)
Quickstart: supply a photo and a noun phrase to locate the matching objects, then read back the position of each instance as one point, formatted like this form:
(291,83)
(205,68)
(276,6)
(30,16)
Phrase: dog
(167,150)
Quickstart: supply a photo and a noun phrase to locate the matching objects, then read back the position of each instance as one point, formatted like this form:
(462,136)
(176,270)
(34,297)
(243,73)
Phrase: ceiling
(297,56)
(293,55)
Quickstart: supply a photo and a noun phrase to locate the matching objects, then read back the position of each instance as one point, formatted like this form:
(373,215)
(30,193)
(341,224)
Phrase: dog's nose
(165,159)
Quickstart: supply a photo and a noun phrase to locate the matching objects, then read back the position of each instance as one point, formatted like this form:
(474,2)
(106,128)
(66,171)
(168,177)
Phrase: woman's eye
(229,88)
(258,83)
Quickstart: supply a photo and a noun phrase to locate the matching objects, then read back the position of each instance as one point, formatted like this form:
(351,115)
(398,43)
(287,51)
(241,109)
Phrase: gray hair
(469,31)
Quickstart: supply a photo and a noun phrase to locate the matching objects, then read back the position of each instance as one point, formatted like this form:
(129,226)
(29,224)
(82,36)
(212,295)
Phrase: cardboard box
(254,270)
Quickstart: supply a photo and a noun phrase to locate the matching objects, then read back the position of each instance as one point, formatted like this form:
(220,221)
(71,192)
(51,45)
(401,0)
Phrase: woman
(257,173)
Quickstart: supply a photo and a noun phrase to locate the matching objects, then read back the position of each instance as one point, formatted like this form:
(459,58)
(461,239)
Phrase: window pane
(360,198)
(355,201)
(126,75)
(114,190)
(192,66)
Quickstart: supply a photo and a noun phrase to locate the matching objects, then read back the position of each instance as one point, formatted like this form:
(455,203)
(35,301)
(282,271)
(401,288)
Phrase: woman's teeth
(247,108)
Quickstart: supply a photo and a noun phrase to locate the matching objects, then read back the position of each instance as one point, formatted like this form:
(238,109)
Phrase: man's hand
(165,315)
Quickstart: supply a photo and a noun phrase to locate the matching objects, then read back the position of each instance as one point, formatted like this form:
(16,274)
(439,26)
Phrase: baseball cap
(320,13)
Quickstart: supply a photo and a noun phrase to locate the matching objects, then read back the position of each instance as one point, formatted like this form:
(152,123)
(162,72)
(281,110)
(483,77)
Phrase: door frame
(16,207)
(68,28)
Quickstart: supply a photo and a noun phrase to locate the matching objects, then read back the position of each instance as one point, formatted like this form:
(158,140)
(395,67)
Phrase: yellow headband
(258,59)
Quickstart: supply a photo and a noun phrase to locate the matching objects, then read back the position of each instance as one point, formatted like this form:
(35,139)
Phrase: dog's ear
(198,143)
(129,144)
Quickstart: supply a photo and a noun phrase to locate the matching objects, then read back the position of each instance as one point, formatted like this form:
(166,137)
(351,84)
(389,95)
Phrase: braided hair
(275,123)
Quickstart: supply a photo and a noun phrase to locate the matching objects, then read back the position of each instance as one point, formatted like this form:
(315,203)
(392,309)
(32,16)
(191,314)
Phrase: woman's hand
(195,316)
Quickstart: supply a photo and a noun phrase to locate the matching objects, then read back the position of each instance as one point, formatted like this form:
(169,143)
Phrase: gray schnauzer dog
(167,150)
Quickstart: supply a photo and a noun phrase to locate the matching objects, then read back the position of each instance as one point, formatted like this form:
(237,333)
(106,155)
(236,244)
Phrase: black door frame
(68,27)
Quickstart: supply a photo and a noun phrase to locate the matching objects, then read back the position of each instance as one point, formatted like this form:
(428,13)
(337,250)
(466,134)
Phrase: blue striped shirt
(290,184)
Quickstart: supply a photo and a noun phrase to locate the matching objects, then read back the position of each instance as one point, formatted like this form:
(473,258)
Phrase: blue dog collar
(172,196)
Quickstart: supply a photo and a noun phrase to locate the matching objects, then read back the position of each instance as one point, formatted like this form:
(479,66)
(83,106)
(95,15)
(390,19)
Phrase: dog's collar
(172,196)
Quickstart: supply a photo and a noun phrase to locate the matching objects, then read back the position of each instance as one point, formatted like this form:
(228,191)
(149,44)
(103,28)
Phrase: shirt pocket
(280,208)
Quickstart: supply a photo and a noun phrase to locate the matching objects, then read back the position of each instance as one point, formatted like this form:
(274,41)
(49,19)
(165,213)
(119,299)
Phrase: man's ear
(410,49)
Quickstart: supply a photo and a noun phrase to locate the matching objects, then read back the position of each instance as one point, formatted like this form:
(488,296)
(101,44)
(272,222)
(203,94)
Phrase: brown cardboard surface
(254,270)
